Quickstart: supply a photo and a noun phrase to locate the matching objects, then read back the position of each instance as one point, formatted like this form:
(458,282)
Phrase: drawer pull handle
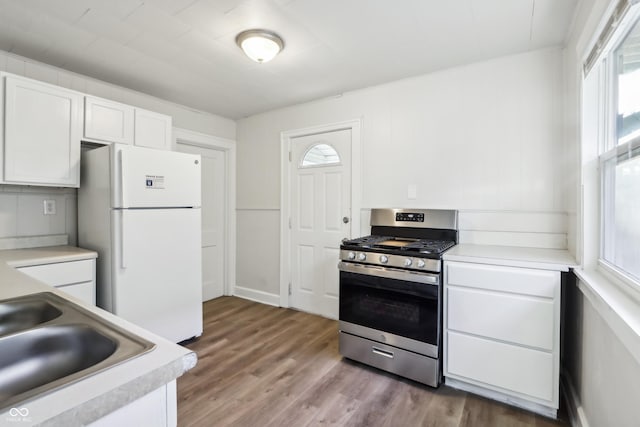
(381,352)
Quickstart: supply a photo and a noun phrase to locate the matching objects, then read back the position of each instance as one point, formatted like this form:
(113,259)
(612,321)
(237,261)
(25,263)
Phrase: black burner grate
(400,245)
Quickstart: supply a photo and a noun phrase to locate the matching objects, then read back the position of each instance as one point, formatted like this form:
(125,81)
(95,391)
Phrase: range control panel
(409,217)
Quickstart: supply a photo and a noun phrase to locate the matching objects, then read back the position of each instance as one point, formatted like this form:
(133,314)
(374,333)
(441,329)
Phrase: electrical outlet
(49,207)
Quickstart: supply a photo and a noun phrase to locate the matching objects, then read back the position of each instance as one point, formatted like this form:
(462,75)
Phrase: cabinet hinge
(289,223)
(289,288)
(289,155)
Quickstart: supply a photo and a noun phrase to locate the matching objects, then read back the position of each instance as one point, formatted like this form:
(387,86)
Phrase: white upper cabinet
(42,132)
(152,130)
(42,126)
(107,121)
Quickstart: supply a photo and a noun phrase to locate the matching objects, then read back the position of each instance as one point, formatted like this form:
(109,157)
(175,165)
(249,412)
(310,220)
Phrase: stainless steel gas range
(391,292)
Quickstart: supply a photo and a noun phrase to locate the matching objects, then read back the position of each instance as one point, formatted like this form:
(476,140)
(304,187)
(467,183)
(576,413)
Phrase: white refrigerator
(139,208)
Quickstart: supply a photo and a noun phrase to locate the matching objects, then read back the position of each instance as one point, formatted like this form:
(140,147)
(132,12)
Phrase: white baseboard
(577,417)
(257,296)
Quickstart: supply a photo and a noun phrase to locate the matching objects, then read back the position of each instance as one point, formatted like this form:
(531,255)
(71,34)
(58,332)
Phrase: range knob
(351,255)
(420,263)
(407,262)
(362,256)
(384,259)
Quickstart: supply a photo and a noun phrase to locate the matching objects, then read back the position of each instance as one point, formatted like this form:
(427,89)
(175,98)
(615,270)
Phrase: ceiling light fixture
(260,45)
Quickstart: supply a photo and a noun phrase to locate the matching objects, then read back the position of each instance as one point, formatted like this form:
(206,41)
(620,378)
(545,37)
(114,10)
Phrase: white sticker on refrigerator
(154,182)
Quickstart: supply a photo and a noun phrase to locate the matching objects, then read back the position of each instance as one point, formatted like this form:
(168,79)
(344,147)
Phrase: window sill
(619,309)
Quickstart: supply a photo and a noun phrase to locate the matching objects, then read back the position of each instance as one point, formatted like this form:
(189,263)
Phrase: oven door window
(399,307)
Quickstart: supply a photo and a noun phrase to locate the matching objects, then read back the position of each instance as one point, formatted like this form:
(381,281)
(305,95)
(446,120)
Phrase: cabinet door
(85,292)
(43,125)
(152,130)
(108,121)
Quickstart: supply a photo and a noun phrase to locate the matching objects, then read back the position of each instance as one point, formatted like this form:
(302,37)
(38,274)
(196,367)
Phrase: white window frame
(607,140)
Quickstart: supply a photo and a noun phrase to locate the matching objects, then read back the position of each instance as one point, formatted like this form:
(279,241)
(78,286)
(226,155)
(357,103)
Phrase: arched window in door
(320,155)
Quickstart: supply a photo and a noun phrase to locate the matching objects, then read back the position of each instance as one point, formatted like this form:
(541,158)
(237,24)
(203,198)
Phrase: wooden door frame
(285,191)
(197,139)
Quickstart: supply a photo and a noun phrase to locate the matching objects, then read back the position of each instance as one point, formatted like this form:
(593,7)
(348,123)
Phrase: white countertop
(100,394)
(546,259)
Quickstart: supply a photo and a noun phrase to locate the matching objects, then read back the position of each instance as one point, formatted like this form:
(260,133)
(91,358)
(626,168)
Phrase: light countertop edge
(512,256)
(48,255)
(115,399)
(93,397)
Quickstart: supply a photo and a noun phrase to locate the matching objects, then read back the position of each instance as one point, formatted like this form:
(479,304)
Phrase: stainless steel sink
(48,342)
(20,315)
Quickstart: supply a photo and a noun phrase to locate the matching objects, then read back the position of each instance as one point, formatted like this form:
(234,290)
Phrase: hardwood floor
(265,366)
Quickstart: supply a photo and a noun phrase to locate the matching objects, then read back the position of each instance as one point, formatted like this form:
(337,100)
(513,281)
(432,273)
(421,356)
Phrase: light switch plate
(412,192)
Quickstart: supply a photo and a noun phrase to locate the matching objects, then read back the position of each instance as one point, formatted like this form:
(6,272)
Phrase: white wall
(22,214)
(21,211)
(485,139)
(603,375)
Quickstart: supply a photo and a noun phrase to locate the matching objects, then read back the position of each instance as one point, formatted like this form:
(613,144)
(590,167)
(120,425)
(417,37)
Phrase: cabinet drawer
(62,273)
(391,359)
(506,366)
(518,319)
(507,279)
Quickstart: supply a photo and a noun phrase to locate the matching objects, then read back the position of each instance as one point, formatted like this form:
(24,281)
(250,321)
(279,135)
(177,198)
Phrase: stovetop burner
(399,244)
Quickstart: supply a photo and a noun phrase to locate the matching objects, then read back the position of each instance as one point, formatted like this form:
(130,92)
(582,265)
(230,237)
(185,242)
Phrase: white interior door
(213,218)
(321,215)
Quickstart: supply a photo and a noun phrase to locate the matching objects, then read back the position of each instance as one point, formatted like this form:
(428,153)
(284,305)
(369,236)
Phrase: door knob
(345,219)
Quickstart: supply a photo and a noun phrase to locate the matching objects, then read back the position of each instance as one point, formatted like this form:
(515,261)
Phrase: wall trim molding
(257,296)
(577,416)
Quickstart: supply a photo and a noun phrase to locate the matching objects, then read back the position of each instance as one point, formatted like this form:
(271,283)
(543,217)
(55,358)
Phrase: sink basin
(48,342)
(37,357)
(20,315)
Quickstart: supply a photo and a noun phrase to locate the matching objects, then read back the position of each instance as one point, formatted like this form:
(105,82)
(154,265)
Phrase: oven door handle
(407,276)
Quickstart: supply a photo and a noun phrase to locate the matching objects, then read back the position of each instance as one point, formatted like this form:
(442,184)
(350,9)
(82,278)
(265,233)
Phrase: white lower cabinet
(502,333)
(77,278)
(156,409)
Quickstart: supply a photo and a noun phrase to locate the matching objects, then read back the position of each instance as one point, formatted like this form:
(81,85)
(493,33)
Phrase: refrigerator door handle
(120,177)
(123,257)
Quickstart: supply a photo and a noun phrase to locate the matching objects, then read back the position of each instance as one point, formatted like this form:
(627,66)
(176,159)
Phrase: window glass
(627,57)
(621,212)
(320,155)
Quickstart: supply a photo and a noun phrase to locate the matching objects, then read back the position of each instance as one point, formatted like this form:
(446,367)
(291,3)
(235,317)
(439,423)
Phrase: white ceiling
(184,50)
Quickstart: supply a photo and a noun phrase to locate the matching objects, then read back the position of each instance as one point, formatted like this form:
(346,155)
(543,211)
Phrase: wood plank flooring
(266,366)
